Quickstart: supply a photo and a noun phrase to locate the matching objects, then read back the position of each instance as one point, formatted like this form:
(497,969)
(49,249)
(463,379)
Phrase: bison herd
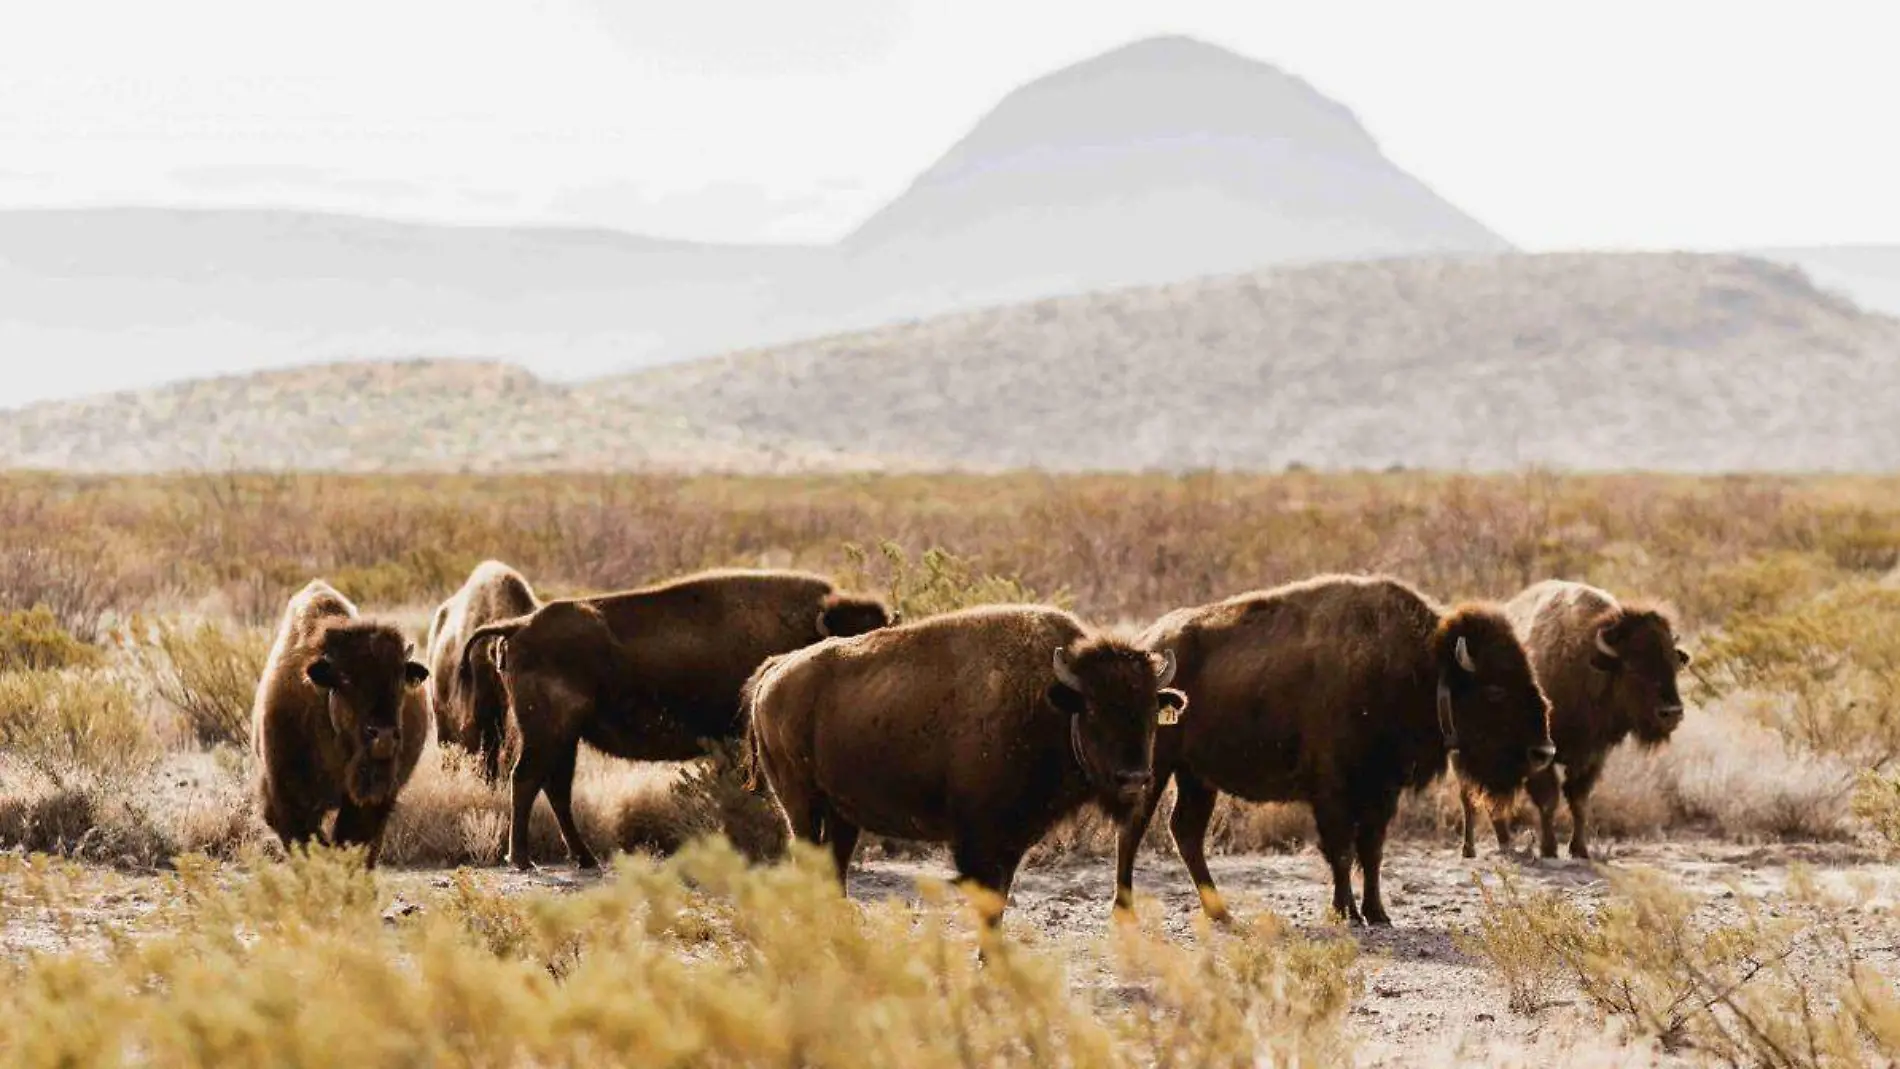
(980,729)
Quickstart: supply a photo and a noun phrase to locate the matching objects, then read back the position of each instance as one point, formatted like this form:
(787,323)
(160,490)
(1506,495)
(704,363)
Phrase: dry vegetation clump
(1768,984)
(697,960)
(33,641)
(208,673)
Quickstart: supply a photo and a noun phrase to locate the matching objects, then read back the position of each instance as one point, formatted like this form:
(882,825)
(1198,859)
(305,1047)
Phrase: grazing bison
(339,722)
(471,715)
(649,674)
(1340,691)
(1609,670)
(980,729)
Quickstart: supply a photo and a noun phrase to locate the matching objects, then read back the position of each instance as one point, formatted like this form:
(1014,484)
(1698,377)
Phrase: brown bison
(1609,670)
(649,674)
(471,715)
(339,721)
(1340,691)
(980,729)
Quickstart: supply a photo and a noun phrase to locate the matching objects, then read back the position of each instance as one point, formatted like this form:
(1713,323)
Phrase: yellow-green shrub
(33,641)
(209,673)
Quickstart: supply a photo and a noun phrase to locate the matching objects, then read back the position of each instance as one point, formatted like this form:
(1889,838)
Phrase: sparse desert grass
(1763,983)
(207,672)
(696,960)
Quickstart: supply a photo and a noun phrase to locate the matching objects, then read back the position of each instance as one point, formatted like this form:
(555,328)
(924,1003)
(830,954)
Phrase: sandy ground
(1424,1000)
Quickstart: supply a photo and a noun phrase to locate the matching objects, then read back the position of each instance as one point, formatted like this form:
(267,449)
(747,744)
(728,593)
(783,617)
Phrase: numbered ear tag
(1170,716)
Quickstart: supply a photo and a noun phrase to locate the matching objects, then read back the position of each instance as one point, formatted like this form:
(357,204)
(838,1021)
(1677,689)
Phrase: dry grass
(1782,583)
(699,960)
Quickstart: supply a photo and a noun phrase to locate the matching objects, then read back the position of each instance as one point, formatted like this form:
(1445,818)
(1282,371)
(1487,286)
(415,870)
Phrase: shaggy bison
(649,674)
(1340,691)
(470,715)
(339,722)
(980,729)
(1609,670)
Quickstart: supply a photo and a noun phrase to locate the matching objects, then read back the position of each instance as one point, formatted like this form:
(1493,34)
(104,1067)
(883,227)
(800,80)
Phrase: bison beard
(370,780)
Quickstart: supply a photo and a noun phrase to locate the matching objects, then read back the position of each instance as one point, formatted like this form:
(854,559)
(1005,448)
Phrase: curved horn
(1463,653)
(824,628)
(1164,668)
(1604,647)
(1065,674)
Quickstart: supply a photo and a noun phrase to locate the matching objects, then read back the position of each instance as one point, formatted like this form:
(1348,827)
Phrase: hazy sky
(1612,123)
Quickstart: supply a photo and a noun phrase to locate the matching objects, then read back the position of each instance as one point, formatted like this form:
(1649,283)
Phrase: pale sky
(1665,123)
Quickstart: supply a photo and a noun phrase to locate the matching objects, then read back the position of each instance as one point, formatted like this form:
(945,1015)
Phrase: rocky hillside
(1678,362)
(1667,362)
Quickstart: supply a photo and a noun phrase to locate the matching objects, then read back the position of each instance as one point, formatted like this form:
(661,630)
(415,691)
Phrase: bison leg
(843,842)
(1370,846)
(362,825)
(1193,809)
(1468,801)
(990,867)
(1578,784)
(1336,828)
(530,773)
(1543,791)
(560,790)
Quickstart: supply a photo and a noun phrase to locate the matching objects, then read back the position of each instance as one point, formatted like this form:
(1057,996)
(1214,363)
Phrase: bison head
(845,615)
(1114,695)
(1635,652)
(365,672)
(1490,708)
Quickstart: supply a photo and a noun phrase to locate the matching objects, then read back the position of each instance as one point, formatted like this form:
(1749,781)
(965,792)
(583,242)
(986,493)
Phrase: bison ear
(1682,657)
(415,673)
(324,674)
(1173,704)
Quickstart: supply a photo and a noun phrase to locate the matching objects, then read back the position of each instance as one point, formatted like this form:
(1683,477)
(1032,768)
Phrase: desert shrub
(74,722)
(940,582)
(81,820)
(209,673)
(711,798)
(1877,804)
(33,641)
(79,586)
(1833,659)
(698,960)
(422,574)
(1759,986)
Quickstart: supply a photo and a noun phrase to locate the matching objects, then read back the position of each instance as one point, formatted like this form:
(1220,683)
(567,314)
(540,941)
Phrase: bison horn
(824,626)
(1604,647)
(1164,668)
(1065,673)
(1463,653)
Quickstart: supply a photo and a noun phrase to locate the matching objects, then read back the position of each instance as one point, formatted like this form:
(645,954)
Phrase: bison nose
(1541,756)
(1130,782)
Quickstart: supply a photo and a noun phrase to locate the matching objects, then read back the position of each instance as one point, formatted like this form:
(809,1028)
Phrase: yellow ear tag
(1169,717)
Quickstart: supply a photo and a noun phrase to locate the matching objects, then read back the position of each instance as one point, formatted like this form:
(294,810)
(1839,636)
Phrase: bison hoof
(1581,853)
(521,864)
(1377,918)
(586,863)
(1470,851)
(1214,905)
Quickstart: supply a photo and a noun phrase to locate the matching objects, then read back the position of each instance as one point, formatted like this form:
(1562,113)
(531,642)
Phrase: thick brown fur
(471,707)
(312,738)
(1596,701)
(649,674)
(1326,691)
(957,729)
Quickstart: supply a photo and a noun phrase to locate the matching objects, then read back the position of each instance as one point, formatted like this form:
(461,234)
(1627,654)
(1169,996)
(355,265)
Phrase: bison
(1340,691)
(339,722)
(648,674)
(471,716)
(980,729)
(1609,670)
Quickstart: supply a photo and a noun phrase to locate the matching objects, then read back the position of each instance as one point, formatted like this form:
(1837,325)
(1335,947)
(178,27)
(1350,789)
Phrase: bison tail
(749,740)
(498,631)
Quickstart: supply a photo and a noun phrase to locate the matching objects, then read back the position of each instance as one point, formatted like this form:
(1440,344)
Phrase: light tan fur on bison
(470,711)
(1609,670)
(339,722)
(980,729)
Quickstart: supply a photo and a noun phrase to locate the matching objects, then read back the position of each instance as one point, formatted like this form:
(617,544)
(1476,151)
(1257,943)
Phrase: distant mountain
(1592,361)
(1162,161)
(1867,274)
